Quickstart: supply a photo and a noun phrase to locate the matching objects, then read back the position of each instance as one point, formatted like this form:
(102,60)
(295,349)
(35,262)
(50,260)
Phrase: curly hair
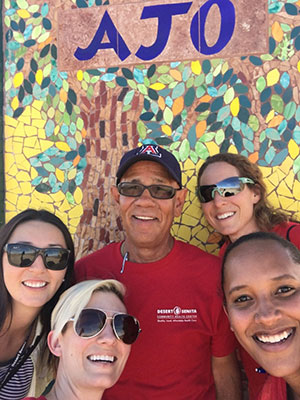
(265,215)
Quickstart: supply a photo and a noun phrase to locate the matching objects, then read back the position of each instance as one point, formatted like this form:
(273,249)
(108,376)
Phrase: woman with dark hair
(36,266)
(233,198)
(261,284)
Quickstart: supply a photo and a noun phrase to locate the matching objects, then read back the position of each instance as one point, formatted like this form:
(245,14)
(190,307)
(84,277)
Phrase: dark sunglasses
(162,192)
(92,321)
(23,255)
(226,188)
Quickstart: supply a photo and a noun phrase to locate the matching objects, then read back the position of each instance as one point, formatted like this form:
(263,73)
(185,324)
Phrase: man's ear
(54,344)
(115,194)
(179,201)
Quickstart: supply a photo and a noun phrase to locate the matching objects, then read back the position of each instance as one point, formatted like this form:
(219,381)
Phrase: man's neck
(146,254)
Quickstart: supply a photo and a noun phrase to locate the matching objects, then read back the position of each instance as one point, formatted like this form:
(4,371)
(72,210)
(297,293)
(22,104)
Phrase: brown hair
(265,215)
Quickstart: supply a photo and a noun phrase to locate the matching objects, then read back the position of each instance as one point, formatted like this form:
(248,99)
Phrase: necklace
(20,358)
(125,257)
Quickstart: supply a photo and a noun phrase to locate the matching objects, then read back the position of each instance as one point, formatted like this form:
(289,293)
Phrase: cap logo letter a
(150,150)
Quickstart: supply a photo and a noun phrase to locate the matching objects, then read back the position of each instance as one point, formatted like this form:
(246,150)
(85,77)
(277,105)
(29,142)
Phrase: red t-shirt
(256,380)
(35,398)
(178,303)
(273,389)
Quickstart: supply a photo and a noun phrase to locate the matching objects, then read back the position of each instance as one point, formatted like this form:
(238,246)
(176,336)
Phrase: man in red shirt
(186,350)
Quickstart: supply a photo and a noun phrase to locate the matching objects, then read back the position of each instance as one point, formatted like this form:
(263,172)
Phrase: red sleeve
(224,341)
(294,234)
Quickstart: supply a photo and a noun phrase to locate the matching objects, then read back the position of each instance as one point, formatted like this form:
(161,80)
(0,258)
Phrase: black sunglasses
(92,321)
(131,189)
(23,255)
(226,188)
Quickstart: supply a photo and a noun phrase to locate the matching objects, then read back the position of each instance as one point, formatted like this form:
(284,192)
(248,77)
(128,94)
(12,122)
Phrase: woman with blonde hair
(91,335)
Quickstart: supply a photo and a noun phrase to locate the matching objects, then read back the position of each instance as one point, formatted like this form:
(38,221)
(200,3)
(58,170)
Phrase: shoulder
(92,265)
(190,250)
(290,231)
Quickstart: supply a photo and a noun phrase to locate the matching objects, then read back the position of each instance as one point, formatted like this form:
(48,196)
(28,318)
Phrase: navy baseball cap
(154,153)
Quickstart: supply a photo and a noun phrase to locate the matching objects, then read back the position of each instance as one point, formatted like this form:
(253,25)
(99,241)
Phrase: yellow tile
(38,104)
(10,121)
(284,190)
(26,187)
(212,148)
(17,148)
(72,229)
(10,206)
(63,216)
(184,180)
(199,163)
(269,186)
(30,131)
(10,215)
(189,221)
(289,179)
(11,185)
(194,211)
(76,211)
(18,139)
(74,222)
(31,142)
(9,160)
(66,206)
(23,176)
(293,148)
(12,171)
(287,165)
(42,197)
(45,145)
(23,202)
(285,202)
(184,233)
(11,197)
(34,203)
(27,111)
(58,197)
(266,171)
(33,173)
(41,133)
(20,130)
(29,152)
(22,162)
(212,249)
(188,164)
(296,190)
(273,199)
(274,179)
(25,119)
(39,123)
(36,114)
(293,207)
(78,195)
(9,131)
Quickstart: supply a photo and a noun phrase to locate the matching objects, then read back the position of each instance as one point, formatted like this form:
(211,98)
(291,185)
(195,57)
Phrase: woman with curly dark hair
(233,198)
(36,266)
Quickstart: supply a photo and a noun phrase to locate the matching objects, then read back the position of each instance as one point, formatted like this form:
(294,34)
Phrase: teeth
(101,358)
(225,215)
(143,218)
(274,338)
(34,284)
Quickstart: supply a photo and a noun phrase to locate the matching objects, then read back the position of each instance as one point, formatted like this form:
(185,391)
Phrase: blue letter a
(116,41)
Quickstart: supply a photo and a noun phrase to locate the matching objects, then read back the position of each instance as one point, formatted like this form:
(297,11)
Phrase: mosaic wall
(65,132)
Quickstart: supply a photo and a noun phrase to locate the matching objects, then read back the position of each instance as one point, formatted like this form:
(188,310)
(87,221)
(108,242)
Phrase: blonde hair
(74,300)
